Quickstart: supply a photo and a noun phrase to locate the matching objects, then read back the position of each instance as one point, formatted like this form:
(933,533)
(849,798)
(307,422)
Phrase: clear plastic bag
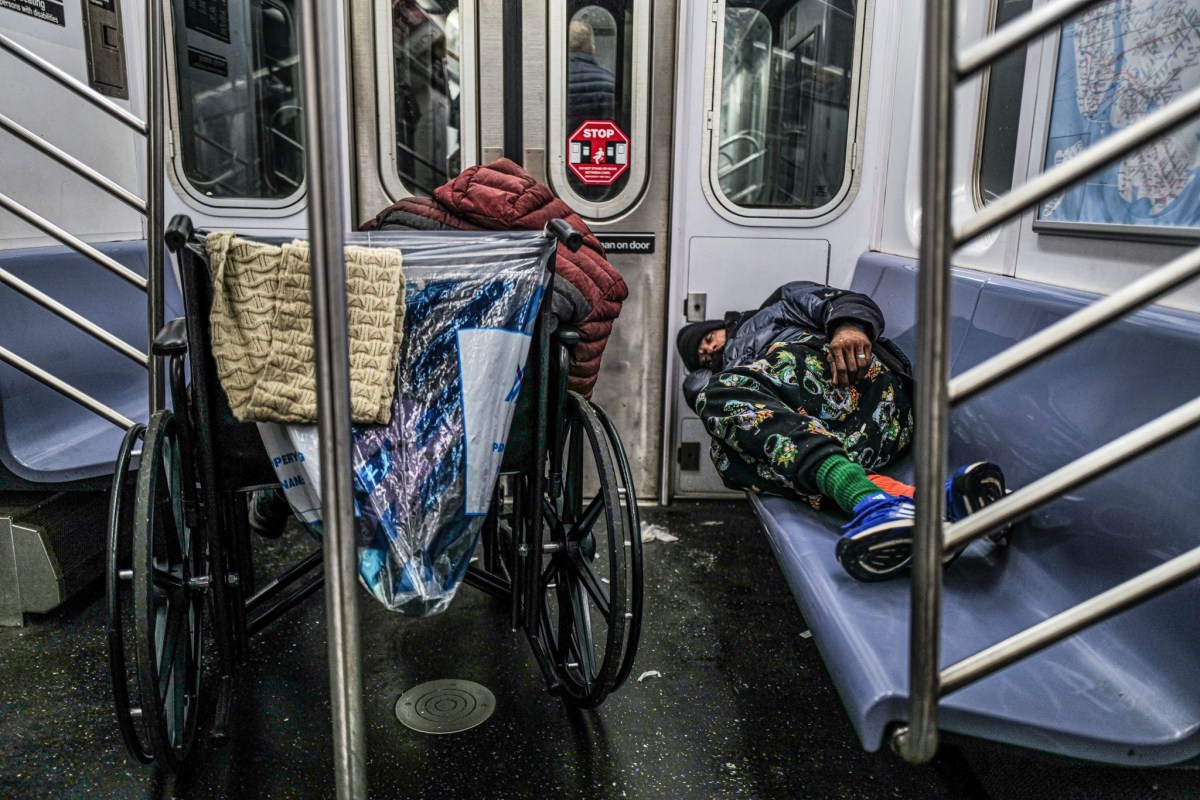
(424,480)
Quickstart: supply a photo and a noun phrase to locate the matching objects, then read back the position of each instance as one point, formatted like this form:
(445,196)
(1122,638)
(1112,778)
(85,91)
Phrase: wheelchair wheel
(633,547)
(168,598)
(583,615)
(118,584)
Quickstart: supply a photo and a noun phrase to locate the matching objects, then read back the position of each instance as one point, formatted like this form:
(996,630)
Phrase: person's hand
(849,355)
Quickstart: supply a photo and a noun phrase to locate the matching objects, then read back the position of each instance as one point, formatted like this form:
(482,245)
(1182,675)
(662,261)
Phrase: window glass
(599,89)
(240,119)
(785,96)
(426,52)
(1002,111)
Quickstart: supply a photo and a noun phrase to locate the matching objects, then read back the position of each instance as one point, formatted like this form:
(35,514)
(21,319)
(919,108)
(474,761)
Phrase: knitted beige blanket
(262,335)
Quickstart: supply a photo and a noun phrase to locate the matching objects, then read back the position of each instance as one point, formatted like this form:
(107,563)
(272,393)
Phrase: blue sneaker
(973,487)
(877,543)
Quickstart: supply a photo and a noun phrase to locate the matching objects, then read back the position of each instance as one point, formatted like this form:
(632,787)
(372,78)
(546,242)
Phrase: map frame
(1150,233)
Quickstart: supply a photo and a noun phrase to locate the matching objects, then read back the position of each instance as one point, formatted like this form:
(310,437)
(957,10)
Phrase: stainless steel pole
(155,170)
(917,742)
(323,42)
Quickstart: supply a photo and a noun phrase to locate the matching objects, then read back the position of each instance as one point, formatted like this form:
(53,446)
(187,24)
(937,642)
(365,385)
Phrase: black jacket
(794,309)
(591,91)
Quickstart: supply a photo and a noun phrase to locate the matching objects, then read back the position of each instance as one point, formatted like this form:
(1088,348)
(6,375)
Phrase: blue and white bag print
(423,481)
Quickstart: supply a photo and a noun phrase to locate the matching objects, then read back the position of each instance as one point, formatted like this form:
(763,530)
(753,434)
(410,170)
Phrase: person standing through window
(591,88)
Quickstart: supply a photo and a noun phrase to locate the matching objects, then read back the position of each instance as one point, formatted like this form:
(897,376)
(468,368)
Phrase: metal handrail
(1095,157)
(1149,584)
(72,241)
(1119,451)
(1051,339)
(1016,33)
(151,208)
(79,321)
(917,740)
(74,84)
(64,388)
(70,162)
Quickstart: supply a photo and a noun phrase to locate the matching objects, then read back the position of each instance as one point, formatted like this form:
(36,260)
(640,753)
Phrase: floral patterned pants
(775,420)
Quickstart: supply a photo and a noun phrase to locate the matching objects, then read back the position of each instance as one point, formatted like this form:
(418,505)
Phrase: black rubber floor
(740,707)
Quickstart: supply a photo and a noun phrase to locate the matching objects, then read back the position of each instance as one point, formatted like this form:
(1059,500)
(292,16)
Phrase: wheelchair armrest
(172,339)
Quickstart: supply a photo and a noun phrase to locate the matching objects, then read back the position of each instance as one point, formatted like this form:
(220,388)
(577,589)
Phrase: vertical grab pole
(155,166)
(917,742)
(322,55)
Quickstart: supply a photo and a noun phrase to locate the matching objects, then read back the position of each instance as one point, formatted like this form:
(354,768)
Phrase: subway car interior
(257,543)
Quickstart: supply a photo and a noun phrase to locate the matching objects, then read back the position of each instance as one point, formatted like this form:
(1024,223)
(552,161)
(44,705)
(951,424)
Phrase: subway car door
(580,94)
(767,166)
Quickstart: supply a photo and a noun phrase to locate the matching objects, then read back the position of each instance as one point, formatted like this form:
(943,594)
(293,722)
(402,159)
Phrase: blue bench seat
(1126,691)
(47,440)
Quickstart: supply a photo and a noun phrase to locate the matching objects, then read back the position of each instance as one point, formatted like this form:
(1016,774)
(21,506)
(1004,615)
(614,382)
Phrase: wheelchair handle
(561,229)
(178,232)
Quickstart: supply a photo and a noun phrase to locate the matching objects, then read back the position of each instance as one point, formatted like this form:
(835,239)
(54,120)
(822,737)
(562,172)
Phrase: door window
(785,104)
(427,58)
(240,122)
(599,87)
(1002,111)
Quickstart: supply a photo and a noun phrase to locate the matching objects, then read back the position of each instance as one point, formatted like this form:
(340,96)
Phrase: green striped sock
(846,482)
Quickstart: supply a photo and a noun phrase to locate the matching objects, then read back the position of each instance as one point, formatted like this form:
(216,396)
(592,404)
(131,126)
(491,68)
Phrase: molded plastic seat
(46,439)
(1121,692)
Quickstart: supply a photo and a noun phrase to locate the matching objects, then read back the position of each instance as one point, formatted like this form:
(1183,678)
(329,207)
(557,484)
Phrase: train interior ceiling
(718,149)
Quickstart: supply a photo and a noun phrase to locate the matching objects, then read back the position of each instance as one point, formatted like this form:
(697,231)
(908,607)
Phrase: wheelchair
(560,544)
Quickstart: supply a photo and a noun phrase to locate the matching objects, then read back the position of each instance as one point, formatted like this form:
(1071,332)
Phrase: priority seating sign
(598,152)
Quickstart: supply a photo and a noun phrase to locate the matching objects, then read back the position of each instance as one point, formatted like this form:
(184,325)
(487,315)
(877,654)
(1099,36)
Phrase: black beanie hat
(689,338)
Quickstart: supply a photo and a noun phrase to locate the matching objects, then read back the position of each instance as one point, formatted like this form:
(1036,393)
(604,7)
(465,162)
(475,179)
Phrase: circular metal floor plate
(445,706)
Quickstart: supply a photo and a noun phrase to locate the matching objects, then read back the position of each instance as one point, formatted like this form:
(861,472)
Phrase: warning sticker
(45,10)
(599,152)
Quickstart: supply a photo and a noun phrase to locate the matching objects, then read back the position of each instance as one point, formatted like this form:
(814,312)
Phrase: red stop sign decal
(598,152)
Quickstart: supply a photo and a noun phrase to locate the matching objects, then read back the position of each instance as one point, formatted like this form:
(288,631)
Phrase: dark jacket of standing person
(591,88)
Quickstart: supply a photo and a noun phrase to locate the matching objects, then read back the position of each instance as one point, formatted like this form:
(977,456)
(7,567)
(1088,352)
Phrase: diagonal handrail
(1097,156)
(78,320)
(70,82)
(70,162)
(1055,337)
(151,208)
(64,388)
(916,741)
(72,241)
(1016,33)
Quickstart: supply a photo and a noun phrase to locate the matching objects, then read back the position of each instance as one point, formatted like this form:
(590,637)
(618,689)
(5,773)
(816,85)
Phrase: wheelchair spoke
(167,528)
(587,520)
(167,614)
(172,630)
(550,515)
(591,582)
(582,639)
(167,581)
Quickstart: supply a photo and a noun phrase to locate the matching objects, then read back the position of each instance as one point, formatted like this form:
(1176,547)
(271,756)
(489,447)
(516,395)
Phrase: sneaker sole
(985,486)
(868,559)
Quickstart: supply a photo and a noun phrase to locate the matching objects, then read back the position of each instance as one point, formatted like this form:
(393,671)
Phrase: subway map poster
(1117,63)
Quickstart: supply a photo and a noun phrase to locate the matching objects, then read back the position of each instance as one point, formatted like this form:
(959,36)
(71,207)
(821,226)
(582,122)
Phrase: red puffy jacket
(588,291)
